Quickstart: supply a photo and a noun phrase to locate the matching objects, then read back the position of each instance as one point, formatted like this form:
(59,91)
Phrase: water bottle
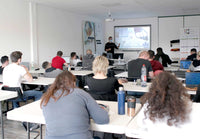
(69,68)
(121,101)
(119,60)
(143,76)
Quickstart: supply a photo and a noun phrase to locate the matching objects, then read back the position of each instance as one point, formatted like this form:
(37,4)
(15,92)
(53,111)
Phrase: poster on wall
(189,38)
(89,36)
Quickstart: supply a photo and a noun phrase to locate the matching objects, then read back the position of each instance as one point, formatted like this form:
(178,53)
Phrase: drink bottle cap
(121,89)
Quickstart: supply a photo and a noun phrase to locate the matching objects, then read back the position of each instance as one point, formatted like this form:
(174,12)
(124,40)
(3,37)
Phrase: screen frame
(135,49)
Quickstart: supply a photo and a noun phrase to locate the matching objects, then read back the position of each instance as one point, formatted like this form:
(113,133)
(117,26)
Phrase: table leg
(41,131)
(2,128)
(28,130)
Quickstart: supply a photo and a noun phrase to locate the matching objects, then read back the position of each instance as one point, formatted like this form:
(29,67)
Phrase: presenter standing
(111,46)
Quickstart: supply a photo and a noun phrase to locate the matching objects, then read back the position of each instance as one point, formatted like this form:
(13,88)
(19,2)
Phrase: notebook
(192,79)
(185,64)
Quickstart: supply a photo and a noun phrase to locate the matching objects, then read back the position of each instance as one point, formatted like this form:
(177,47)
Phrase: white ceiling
(127,8)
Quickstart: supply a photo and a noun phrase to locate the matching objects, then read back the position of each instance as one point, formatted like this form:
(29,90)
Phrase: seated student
(167,110)
(156,65)
(58,61)
(88,59)
(111,62)
(74,59)
(4,62)
(50,72)
(195,66)
(13,74)
(100,86)
(193,54)
(162,57)
(135,66)
(67,110)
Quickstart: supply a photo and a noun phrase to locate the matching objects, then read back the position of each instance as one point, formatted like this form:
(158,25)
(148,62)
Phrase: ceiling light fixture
(109,19)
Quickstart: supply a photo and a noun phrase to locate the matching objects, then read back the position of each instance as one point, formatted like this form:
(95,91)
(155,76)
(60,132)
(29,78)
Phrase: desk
(33,113)
(81,72)
(5,95)
(40,81)
(120,64)
(174,69)
(131,86)
(122,75)
(40,71)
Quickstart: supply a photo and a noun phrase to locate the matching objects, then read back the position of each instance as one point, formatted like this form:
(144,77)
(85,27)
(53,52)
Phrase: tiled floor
(15,130)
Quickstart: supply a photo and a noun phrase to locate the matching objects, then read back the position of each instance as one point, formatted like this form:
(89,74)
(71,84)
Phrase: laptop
(192,79)
(66,58)
(185,64)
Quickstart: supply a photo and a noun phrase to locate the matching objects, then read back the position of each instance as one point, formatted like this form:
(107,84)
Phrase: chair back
(18,89)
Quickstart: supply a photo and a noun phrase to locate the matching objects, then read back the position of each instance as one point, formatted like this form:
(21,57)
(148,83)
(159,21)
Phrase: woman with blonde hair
(100,86)
(67,110)
(168,111)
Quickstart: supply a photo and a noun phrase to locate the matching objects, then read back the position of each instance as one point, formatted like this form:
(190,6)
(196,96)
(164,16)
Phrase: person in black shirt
(162,57)
(110,46)
(100,86)
(193,54)
(135,66)
(4,62)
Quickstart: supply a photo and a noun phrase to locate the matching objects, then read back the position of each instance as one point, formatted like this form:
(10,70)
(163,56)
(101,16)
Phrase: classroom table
(172,68)
(5,95)
(40,71)
(32,113)
(40,81)
(122,75)
(48,81)
(79,68)
(131,86)
(81,72)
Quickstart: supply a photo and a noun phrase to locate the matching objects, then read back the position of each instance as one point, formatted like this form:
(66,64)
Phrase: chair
(19,92)
(22,99)
(197,96)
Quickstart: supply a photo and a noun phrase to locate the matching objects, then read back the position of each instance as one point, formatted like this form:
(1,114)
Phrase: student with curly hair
(167,110)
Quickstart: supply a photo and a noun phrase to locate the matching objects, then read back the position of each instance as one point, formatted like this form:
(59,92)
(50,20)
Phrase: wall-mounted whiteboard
(133,37)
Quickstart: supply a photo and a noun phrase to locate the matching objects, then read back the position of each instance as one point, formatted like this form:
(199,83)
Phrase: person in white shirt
(168,111)
(13,75)
(73,59)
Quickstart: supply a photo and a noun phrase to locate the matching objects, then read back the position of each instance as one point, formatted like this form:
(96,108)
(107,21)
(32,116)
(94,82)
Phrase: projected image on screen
(133,37)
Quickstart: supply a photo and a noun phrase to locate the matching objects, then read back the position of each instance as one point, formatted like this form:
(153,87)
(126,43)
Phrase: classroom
(99,69)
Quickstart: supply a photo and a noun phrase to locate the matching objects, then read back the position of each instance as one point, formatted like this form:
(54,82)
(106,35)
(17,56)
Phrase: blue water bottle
(121,101)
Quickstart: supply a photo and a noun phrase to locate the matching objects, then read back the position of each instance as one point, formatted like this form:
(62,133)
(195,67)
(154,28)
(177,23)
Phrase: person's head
(167,98)
(65,82)
(4,60)
(59,53)
(100,65)
(89,52)
(151,54)
(104,54)
(46,65)
(110,38)
(16,57)
(159,51)
(193,51)
(73,55)
(144,55)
